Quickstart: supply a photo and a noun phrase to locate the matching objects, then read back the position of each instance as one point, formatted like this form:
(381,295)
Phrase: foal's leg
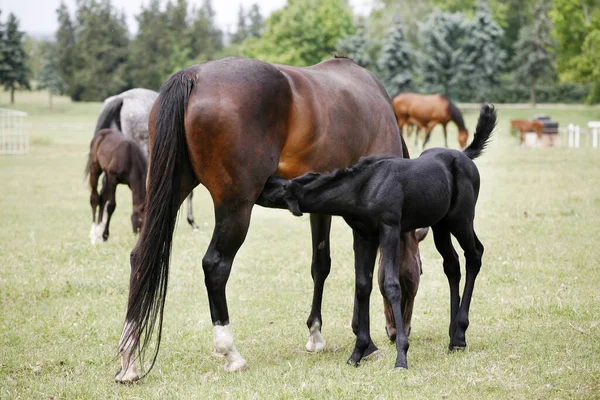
(94,200)
(445,135)
(110,199)
(443,243)
(320,226)
(190,214)
(365,252)
(473,252)
(389,237)
(231,226)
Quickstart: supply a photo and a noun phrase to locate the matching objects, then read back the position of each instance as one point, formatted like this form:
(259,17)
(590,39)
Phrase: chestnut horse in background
(524,126)
(229,124)
(426,111)
(122,161)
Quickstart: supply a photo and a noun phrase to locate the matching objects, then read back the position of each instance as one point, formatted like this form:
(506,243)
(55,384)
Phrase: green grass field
(535,317)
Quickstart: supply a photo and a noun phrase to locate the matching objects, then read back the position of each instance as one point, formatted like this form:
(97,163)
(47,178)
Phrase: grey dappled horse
(129,112)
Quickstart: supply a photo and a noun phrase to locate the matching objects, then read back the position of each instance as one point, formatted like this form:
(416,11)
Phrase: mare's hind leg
(443,243)
(365,252)
(473,252)
(190,214)
(231,226)
(320,226)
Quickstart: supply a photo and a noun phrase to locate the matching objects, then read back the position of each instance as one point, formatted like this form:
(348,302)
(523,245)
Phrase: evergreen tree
(102,43)
(396,61)
(442,52)
(484,59)
(257,23)
(241,32)
(15,69)
(66,59)
(206,39)
(49,77)
(533,51)
(151,50)
(356,47)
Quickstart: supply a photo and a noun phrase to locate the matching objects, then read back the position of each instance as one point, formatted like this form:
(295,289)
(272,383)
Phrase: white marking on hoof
(128,372)
(224,345)
(93,233)
(101,226)
(316,342)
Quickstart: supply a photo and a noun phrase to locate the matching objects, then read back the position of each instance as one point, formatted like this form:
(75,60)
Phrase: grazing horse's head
(137,217)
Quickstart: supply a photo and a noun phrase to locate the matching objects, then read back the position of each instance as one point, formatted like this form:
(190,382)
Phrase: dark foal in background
(122,161)
(381,197)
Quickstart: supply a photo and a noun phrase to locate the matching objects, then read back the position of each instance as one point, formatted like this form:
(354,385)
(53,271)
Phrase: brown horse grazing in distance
(229,124)
(409,272)
(426,111)
(122,161)
(524,126)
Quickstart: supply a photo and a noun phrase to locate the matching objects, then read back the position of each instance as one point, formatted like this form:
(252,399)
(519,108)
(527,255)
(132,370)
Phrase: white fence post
(577,134)
(571,131)
(14,138)
(595,138)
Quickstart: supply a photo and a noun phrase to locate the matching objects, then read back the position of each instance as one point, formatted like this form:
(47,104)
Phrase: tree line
(471,50)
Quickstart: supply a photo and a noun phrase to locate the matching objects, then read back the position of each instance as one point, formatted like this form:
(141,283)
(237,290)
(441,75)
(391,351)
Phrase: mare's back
(340,113)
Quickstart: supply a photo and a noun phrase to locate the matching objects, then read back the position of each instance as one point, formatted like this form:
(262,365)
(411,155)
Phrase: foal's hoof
(126,377)
(453,347)
(352,362)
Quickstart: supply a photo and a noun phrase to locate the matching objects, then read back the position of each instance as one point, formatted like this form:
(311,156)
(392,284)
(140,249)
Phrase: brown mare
(425,111)
(122,161)
(230,124)
(524,126)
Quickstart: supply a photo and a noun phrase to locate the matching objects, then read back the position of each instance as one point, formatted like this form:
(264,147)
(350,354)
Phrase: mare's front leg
(190,214)
(389,238)
(320,226)
(231,226)
(365,252)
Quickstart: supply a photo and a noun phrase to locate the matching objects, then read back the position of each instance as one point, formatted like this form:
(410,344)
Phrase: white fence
(575,133)
(14,136)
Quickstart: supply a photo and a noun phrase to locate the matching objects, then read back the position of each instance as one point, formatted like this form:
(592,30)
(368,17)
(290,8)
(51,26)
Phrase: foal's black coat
(380,197)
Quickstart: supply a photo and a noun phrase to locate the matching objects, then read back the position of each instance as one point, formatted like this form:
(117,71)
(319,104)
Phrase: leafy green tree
(572,22)
(304,32)
(534,57)
(585,66)
(205,38)
(49,76)
(150,51)
(66,57)
(102,44)
(257,24)
(396,62)
(241,32)
(356,46)
(15,69)
(483,58)
(442,52)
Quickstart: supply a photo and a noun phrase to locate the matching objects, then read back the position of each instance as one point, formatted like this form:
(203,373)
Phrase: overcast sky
(39,16)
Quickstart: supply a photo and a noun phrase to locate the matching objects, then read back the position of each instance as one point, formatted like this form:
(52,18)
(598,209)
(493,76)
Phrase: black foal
(381,197)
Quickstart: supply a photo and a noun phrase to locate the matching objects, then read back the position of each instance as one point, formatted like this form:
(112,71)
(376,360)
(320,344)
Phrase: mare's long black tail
(485,126)
(111,112)
(150,257)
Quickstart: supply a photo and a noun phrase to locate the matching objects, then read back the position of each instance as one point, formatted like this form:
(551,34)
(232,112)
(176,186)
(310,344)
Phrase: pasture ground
(535,318)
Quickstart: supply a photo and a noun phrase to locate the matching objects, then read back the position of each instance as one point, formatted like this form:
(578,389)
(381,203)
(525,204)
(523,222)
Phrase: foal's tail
(483,132)
(111,112)
(150,257)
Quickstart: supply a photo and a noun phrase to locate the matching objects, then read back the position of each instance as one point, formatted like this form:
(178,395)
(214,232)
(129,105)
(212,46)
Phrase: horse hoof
(401,367)
(352,362)
(316,342)
(453,348)
(126,377)
(236,366)
(376,355)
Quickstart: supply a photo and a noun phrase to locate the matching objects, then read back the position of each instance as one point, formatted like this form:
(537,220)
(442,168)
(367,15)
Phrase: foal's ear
(293,193)
(422,233)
